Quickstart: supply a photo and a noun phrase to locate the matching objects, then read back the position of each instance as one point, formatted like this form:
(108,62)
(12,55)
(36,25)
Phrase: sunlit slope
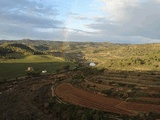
(126,57)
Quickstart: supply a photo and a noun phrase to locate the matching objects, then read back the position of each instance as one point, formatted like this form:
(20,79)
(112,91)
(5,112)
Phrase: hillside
(126,57)
(85,94)
(15,50)
(145,57)
(107,55)
(124,84)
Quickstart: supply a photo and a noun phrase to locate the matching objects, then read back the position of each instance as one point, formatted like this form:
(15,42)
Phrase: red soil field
(77,96)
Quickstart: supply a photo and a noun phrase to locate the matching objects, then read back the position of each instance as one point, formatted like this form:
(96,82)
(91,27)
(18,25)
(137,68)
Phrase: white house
(44,71)
(30,69)
(92,64)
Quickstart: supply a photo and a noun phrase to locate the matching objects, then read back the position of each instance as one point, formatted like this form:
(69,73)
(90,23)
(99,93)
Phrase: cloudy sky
(117,21)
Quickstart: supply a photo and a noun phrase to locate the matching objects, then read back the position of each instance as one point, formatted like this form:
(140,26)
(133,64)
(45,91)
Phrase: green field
(13,68)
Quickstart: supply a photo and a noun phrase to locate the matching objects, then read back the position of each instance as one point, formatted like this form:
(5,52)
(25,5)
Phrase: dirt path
(77,96)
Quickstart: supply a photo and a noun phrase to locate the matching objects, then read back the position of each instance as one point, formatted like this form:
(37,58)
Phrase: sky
(116,21)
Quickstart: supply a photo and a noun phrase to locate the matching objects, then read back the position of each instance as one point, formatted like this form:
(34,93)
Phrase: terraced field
(33,98)
(87,99)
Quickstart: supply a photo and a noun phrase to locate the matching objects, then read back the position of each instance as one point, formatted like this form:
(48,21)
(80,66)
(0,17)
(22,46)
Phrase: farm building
(44,71)
(92,64)
(30,69)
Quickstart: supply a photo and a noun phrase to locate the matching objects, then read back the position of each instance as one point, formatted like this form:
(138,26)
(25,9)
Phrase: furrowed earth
(38,97)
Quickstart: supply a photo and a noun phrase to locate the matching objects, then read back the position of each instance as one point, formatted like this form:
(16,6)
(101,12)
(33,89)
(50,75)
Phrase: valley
(123,84)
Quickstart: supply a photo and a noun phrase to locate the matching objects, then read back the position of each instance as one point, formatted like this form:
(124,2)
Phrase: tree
(66,67)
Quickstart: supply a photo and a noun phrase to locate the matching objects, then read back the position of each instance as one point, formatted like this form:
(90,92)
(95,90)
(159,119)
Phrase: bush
(111,83)
(33,74)
(67,67)
(139,94)
(131,85)
(93,71)
(122,84)
(108,91)
(99,81)
(156,66)
(78,77)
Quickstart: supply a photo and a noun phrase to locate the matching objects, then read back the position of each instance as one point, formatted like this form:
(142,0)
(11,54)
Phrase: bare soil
(25,100)
(77,96)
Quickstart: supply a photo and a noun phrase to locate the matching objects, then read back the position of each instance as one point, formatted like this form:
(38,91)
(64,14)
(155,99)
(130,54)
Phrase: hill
(125,57)
(124,84)
(16,50)
(142,57)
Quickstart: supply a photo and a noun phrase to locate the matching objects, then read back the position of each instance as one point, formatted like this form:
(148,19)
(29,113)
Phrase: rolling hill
(141,57)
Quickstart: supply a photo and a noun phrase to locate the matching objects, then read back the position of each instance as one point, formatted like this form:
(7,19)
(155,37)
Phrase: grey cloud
(35,21)
(29,12)
(19,32)
(99,19)
(19,18)
(23,18)
(78,16)
(144,22)
(82,31)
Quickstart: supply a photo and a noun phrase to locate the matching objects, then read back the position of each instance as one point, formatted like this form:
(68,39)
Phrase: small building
(92,64)
(30,69)
(44,71)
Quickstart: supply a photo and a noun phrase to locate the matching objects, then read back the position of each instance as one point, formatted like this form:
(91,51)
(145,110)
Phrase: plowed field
(77,96)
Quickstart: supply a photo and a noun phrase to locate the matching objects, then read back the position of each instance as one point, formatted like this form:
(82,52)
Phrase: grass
(126,57)
(34,59)
(13,68)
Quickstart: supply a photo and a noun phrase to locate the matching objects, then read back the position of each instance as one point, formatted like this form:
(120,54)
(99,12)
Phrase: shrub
(58,70)
(156,66)
(122,84)
(108,91)
(111,83)
(33,74)
(67,67)
(99,81)
(78,77)
(131,85)
(139,94)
